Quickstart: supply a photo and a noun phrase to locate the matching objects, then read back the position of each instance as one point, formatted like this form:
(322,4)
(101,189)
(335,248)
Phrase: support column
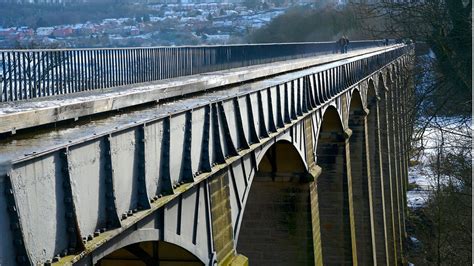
(387,174)
(400,161)
(377,180)
(223,237)
(276,226)
(347,135)
(361,187)
(317,246)
(336,227)
(394,160)
(405,98)
(315,172)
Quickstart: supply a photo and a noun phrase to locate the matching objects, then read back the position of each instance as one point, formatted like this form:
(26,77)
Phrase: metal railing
(27,74)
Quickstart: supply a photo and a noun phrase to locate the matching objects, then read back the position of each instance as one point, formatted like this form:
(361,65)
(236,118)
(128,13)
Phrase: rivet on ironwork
(124,216)
(129,212)
(96,233)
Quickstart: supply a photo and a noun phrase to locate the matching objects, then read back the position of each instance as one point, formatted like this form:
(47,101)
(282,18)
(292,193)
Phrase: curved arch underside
(150,253)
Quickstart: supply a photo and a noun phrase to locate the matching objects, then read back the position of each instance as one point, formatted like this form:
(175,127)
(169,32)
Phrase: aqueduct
(304,167)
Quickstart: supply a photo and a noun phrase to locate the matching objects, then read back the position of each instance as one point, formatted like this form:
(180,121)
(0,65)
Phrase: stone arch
(149,251)
(294,160)
(277,215)
(359,94)
(371,91)
(360,179)
(356,100)
(285,138)
(333,120)
(332,191)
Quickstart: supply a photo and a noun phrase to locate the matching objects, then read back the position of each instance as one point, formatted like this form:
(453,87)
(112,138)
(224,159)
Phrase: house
(62,32)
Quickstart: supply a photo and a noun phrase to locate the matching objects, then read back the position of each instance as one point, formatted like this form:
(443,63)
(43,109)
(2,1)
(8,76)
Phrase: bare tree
(444,26)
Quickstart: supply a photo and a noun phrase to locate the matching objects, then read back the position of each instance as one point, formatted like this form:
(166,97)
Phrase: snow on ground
(454,132)
(421,176)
